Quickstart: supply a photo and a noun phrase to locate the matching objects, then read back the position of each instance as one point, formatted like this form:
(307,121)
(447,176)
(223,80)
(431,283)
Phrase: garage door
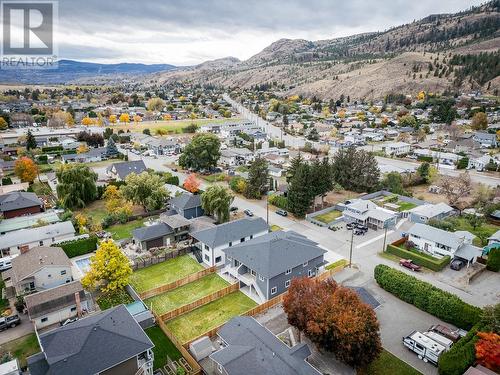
(157,242)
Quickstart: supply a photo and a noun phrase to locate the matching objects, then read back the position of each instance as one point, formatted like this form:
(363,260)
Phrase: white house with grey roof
(440,243)
(248,348)
(364,211)
(212,241)
(266,265)
(119,171)
(426,212)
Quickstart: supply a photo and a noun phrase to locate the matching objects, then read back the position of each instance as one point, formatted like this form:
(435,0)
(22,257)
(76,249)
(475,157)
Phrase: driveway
(23,329)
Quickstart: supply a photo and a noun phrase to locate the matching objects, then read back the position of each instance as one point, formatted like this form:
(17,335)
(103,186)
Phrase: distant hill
(70,71)
(440,52)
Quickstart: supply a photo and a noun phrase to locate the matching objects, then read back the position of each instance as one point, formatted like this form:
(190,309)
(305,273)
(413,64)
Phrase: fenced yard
(328,217)
(186,294)
(163,273)
(191,325)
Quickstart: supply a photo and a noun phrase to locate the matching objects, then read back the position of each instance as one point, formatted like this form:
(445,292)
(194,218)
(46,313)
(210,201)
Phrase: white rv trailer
(447,343)
(426,348)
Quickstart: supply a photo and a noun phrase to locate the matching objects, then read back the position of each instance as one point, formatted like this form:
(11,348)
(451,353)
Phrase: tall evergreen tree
(296,161)
(30,141)
(111,148)
(300,195)
(258,179)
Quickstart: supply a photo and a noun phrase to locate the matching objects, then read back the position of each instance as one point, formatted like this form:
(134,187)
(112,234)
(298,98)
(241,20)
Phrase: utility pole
(385,237)
(267,209)
(350,251)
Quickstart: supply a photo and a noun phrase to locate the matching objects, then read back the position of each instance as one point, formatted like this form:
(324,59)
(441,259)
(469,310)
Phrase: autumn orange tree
(26,169)
(192,184)
(335,319)
(488,350)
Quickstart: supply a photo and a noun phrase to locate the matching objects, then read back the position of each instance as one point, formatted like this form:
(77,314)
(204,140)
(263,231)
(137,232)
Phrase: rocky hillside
(406,59)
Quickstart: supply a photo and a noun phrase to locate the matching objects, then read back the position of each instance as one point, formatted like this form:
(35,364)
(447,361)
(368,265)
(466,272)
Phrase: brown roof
(35,259)
(175,221)
(53,299)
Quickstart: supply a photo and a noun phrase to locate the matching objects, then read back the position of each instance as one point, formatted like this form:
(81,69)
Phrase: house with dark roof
(212,241)
(119,171)
(249,348)
(55,305)
(486,139)
(92,155)
(37,269)
(187,205)
(107,343)
(156,235)
(266,265)
(20,203)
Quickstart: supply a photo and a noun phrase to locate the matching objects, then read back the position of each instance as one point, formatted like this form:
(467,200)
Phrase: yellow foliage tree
(82,222)
(109,268)
(115,203)
(167,117)
(82,149)
(137,119)
(341,113)
(3,124)
(26,169)
(87,121)
(125,117)
(421,95)
(112,119)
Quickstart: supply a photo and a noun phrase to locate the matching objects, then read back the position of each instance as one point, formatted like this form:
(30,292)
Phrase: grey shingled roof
(152,231)
(434,234)
(186,201)
(37,258)
(128,167)
(18,200)
(54,299)
(254,350)
(273,253)
(230,231)
(91,345)
(20,237)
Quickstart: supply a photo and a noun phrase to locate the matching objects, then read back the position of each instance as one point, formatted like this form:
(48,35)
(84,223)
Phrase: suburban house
(163,146)
(397,148)
(170,229)
(424,213)
(480,163)
(248,348)
(108,343)
(26,222)
(494,238)
(19,241)
(119,171)
(231,157)
(368,213)
(93,155)
(20,203)
(55,305)
(486,139)
(39,269)
(267,264)
(439,243)
(212,241)
(187,205)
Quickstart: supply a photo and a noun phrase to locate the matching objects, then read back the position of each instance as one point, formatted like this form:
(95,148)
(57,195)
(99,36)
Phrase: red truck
(408,263)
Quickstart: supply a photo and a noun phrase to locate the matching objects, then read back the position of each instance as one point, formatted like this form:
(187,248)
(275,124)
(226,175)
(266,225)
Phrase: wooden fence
(200,302)
(187,356)
(155,259)
(177,283)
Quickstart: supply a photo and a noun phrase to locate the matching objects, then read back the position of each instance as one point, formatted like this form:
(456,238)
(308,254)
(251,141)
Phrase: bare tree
(454,131)
(455,188)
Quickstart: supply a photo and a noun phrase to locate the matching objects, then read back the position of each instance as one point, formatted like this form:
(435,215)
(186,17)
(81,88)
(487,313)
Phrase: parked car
(361,226)
(248,212)
(359,232)
(349,226)
(9,322)
(282,212)
(233,209)
(446,332)
(174,169)
(408,263)
(457,264)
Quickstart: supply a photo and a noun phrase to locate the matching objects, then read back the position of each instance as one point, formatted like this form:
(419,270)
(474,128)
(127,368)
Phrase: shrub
(79,247)
(52,149)
(425,158)
(6,181)
(172,180)
(435,301)
(422,259)
(238,184)
(463,163)
(461,355)
(43,159)
(279,201)
(493,263)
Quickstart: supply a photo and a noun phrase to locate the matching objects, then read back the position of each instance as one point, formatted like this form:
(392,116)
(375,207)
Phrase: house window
(261,278)
(218,259)
(63,272)
(40,243)
(288,271)
(219,368)
(206,247)
(236,263)
(251,236)
(49,276)
(207,258)
(305,264)
(310,273)
(73,309)
(230,243)
(287,283)
(274,290)
(44,319)
(242,239)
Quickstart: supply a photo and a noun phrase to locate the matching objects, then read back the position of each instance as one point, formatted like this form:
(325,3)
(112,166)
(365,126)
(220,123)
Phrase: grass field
(163,347)
(329,216)
(96,210)
(388,364)
(174,126)
(189,326)
(121,231)
(405,206)
(164,273)
(186,294)
(21,348)
(275,228)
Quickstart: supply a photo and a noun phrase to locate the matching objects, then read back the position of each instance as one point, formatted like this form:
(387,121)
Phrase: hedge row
(461,355)
(443,305)
(428,159)
(52,148)
(423,260)
(79,247)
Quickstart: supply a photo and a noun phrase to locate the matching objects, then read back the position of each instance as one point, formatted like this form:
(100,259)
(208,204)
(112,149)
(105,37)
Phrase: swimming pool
(83,265)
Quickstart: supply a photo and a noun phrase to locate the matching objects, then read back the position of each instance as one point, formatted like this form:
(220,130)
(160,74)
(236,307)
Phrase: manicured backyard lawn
(121,231)
(164,273)
(163,347)
(96,210)
(388,364)
(21,348)
(405,206)
(189,326)
(186,294)
(329,216)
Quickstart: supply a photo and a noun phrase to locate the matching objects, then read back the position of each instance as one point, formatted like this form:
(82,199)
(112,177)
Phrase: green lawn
(482,232)
(340,262)
(405,206)
(116,298)
(388,364)
(328,217)
(21,348)
(95,210)
(216,177)
(275,228)
(121,231)
(186,294)
(189,326)
(163,347)
(41,188)
(174,126)
(164,273)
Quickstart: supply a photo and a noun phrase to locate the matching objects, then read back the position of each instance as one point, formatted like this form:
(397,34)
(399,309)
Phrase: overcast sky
(187,32)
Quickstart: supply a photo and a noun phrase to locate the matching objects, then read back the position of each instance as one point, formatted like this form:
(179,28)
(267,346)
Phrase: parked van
(426,348)
(447,343)
(5,263)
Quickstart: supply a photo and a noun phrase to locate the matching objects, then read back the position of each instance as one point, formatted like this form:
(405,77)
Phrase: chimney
(78,304)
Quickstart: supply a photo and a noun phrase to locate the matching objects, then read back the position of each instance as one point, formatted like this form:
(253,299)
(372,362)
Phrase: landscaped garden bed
(186,294)
(418,257)
(164,273)
(195,323)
